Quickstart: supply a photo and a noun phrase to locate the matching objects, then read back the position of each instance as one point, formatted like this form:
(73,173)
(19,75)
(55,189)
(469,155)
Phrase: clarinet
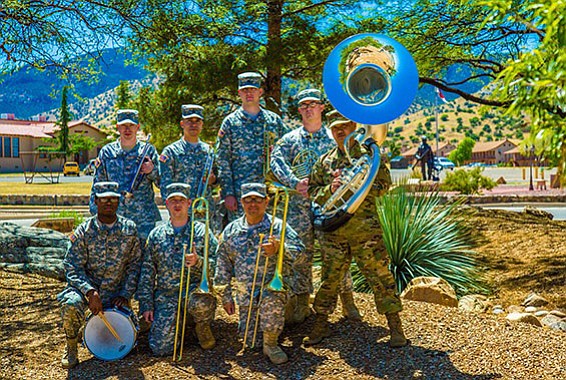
(138,178)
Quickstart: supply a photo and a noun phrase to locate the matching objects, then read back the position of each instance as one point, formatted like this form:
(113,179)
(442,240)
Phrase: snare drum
(100,341)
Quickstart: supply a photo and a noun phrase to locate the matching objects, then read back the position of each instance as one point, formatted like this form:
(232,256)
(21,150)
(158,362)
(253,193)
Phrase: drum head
(100,341)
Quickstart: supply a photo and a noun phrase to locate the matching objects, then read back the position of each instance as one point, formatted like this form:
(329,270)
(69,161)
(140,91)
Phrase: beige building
(492,152)
(20,140)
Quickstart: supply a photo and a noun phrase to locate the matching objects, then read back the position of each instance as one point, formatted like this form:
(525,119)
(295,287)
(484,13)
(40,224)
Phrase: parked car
(90,168)
(399,162)
(71,168)
(443,163)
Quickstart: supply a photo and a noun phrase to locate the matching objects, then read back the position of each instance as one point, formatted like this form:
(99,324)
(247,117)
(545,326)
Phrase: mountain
(27,92)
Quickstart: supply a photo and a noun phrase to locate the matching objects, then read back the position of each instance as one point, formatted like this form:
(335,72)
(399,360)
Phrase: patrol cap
(127,117)
(335,118)
(424,138)
(253,188)
(178,189)
(192,110)
(106,189)
(249,80)
(309,94)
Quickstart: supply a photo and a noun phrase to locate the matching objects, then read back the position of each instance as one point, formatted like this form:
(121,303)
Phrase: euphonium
(371,79)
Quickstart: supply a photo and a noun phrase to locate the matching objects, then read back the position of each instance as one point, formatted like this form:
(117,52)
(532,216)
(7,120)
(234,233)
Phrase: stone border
(50,200)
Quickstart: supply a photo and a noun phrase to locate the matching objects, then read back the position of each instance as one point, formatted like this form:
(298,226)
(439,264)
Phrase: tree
(463,152)
(63,123)
(45,34)
(123,95)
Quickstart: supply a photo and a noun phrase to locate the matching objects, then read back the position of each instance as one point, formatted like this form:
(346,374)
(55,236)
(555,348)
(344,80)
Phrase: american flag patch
(73,237)
(97,162)
(221,133)
(163,158)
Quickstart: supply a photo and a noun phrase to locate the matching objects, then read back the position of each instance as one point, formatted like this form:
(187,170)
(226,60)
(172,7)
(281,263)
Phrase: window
(7,147)
(15,147)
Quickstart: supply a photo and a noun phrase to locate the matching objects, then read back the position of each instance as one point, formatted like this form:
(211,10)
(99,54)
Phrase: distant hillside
(27,92)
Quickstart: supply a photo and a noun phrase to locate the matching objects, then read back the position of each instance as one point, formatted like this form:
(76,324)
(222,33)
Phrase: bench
(541,184)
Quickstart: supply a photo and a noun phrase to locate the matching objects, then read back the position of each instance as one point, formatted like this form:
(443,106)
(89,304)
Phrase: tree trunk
(274,56)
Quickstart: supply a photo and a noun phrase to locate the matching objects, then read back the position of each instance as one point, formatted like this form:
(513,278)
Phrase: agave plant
(425,238)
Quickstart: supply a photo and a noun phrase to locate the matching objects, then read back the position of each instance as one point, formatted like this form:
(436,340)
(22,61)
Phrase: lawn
(17,188)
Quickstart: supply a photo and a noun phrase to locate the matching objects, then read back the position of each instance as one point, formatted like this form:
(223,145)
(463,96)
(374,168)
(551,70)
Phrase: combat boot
(395,330)
(320,330)
(272,349)
(302,308)
(204,335)
(349,308)
(71,356)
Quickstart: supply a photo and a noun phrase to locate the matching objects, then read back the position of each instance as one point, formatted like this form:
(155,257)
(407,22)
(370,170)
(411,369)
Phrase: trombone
(276,284)
(204,286)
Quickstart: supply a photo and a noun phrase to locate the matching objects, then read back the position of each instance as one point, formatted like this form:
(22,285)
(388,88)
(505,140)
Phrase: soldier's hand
(229,307)
(336,183)
(211,179)
(94,302)
(191,259)
(303,187)
(231,203)
(119,301)
(271,247)
(148,316)
(147,166)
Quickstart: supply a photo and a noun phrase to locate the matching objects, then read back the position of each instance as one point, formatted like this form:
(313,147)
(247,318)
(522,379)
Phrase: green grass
(22,188)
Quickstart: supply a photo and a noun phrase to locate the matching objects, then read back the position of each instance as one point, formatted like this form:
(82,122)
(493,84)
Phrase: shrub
(77,216)
(467,181)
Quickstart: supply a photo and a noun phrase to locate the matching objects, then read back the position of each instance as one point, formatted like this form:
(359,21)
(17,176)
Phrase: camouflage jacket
(321,178)
(105,259)
(163,257)
(118,165)
(183,162)
(236,257)
(242,150)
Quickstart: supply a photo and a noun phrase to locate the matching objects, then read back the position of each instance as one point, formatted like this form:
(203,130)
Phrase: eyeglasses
(109,199)
(248,200)
(304,106)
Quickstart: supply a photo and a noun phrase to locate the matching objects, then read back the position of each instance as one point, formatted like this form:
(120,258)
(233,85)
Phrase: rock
(534,299)
(431,290)
(32,250)
(538,213)
(558,313)
(530,309)
(561,326)
(541,313)
(57,224)
(498,310)
(550,319)
(524,318)
(474,302)
(515,309)
(501,181)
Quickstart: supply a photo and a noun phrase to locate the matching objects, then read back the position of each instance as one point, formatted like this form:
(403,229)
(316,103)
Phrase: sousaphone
(370,79)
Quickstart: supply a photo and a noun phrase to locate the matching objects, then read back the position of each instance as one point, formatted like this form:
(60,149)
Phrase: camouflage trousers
(271,314)
(365,245)
(201,308)
(300,218)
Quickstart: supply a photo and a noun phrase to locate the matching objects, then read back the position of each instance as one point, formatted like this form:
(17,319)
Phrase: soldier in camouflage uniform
(102,266)
(185,160)
(236,257)
(291,163)
(118,162)
(246,137)
(360,238)
(160,275)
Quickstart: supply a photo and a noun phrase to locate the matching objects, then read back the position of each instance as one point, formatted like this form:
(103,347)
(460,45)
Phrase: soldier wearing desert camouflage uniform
(118,162)
(291,163)
(236,258)
(359,238)
(160,275)
(101,266)
(246,137)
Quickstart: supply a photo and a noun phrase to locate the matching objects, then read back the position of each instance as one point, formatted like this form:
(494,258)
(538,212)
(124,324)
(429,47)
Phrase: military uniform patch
(73,237)
(97,162)
(163,158)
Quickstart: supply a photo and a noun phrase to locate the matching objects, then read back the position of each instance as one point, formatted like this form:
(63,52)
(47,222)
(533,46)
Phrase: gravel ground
(520,254)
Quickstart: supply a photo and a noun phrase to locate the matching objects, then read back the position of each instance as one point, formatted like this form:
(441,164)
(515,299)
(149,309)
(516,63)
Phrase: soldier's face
(192,126)
(250,95)
(340,132)
(254,206)
(128,131)
(178,206)
(311,111)
(107,206)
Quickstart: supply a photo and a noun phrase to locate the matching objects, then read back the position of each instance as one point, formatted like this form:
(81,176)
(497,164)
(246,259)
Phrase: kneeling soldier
(236,257)
(160,275)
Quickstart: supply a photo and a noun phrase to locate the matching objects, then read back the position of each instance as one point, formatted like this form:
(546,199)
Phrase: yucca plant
(425,238)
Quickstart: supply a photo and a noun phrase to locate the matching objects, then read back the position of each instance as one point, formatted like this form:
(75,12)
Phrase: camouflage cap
(309,94)
(192,110)
(178,189)
(249,80)
(253,188)
(335,118)
(106,189)
(127,117)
